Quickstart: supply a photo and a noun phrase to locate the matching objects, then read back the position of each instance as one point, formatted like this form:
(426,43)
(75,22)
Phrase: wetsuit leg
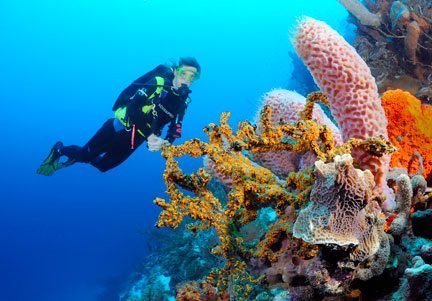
(97,145)
(119,150)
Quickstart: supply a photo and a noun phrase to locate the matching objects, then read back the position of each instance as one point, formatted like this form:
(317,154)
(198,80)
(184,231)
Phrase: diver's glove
(155,143)
(184,91)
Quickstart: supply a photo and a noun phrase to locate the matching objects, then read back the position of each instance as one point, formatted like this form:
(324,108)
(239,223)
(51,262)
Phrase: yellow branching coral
(312,98)
(234,279)
(273,246)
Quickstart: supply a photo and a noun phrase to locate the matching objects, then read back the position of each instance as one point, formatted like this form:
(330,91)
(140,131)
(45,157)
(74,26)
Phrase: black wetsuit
(112,143)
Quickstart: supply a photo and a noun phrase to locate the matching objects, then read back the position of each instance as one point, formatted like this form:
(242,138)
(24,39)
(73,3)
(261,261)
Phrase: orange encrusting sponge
(410,130)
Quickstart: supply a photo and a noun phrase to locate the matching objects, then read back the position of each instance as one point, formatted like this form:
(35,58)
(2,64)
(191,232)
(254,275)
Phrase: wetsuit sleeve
(175,127)
(174,131)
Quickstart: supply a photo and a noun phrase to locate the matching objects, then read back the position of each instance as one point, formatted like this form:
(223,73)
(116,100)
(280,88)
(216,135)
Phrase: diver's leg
(109,160)
(118,152)
(97,145)
(94,147)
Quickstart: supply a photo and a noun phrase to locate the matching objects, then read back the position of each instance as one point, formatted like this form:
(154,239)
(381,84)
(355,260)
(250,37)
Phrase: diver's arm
(175,127)
(174,131)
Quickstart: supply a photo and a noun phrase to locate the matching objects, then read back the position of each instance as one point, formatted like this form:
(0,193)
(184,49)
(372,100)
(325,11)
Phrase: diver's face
(184,75)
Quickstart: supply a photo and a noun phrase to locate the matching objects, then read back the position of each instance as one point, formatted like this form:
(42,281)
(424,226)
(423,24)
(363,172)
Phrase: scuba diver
(157,98)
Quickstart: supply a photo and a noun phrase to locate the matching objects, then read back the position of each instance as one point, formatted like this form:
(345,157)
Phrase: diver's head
(186,71)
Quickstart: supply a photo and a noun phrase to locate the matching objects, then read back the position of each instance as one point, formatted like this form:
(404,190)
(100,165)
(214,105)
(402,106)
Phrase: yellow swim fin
(51,164)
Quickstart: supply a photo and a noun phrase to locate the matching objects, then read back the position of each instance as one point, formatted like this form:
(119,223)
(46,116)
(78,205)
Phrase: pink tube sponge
(347,81)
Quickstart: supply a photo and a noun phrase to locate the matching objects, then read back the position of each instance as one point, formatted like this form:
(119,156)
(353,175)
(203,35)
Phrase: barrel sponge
(341,211)
(347,81)
(285,107)
(410,130)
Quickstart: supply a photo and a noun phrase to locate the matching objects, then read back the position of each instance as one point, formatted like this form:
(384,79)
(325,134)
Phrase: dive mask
(187,73)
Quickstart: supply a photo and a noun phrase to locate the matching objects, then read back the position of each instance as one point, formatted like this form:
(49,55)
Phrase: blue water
(76,236)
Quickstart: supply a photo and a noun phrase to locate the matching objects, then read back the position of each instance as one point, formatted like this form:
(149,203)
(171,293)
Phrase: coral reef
(253,188)
(375,264)
(299,214)
(421,222)
(409,128)
(175,256)
(149,288)
(418,282)
(346,80)
(286,106)
(357,8)
(342,228)
(398,50)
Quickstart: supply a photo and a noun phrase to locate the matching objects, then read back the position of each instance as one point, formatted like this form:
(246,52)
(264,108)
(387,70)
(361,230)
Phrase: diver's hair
(189,61)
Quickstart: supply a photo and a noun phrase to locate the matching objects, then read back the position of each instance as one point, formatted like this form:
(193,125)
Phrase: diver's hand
(155,143)
(184,91)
